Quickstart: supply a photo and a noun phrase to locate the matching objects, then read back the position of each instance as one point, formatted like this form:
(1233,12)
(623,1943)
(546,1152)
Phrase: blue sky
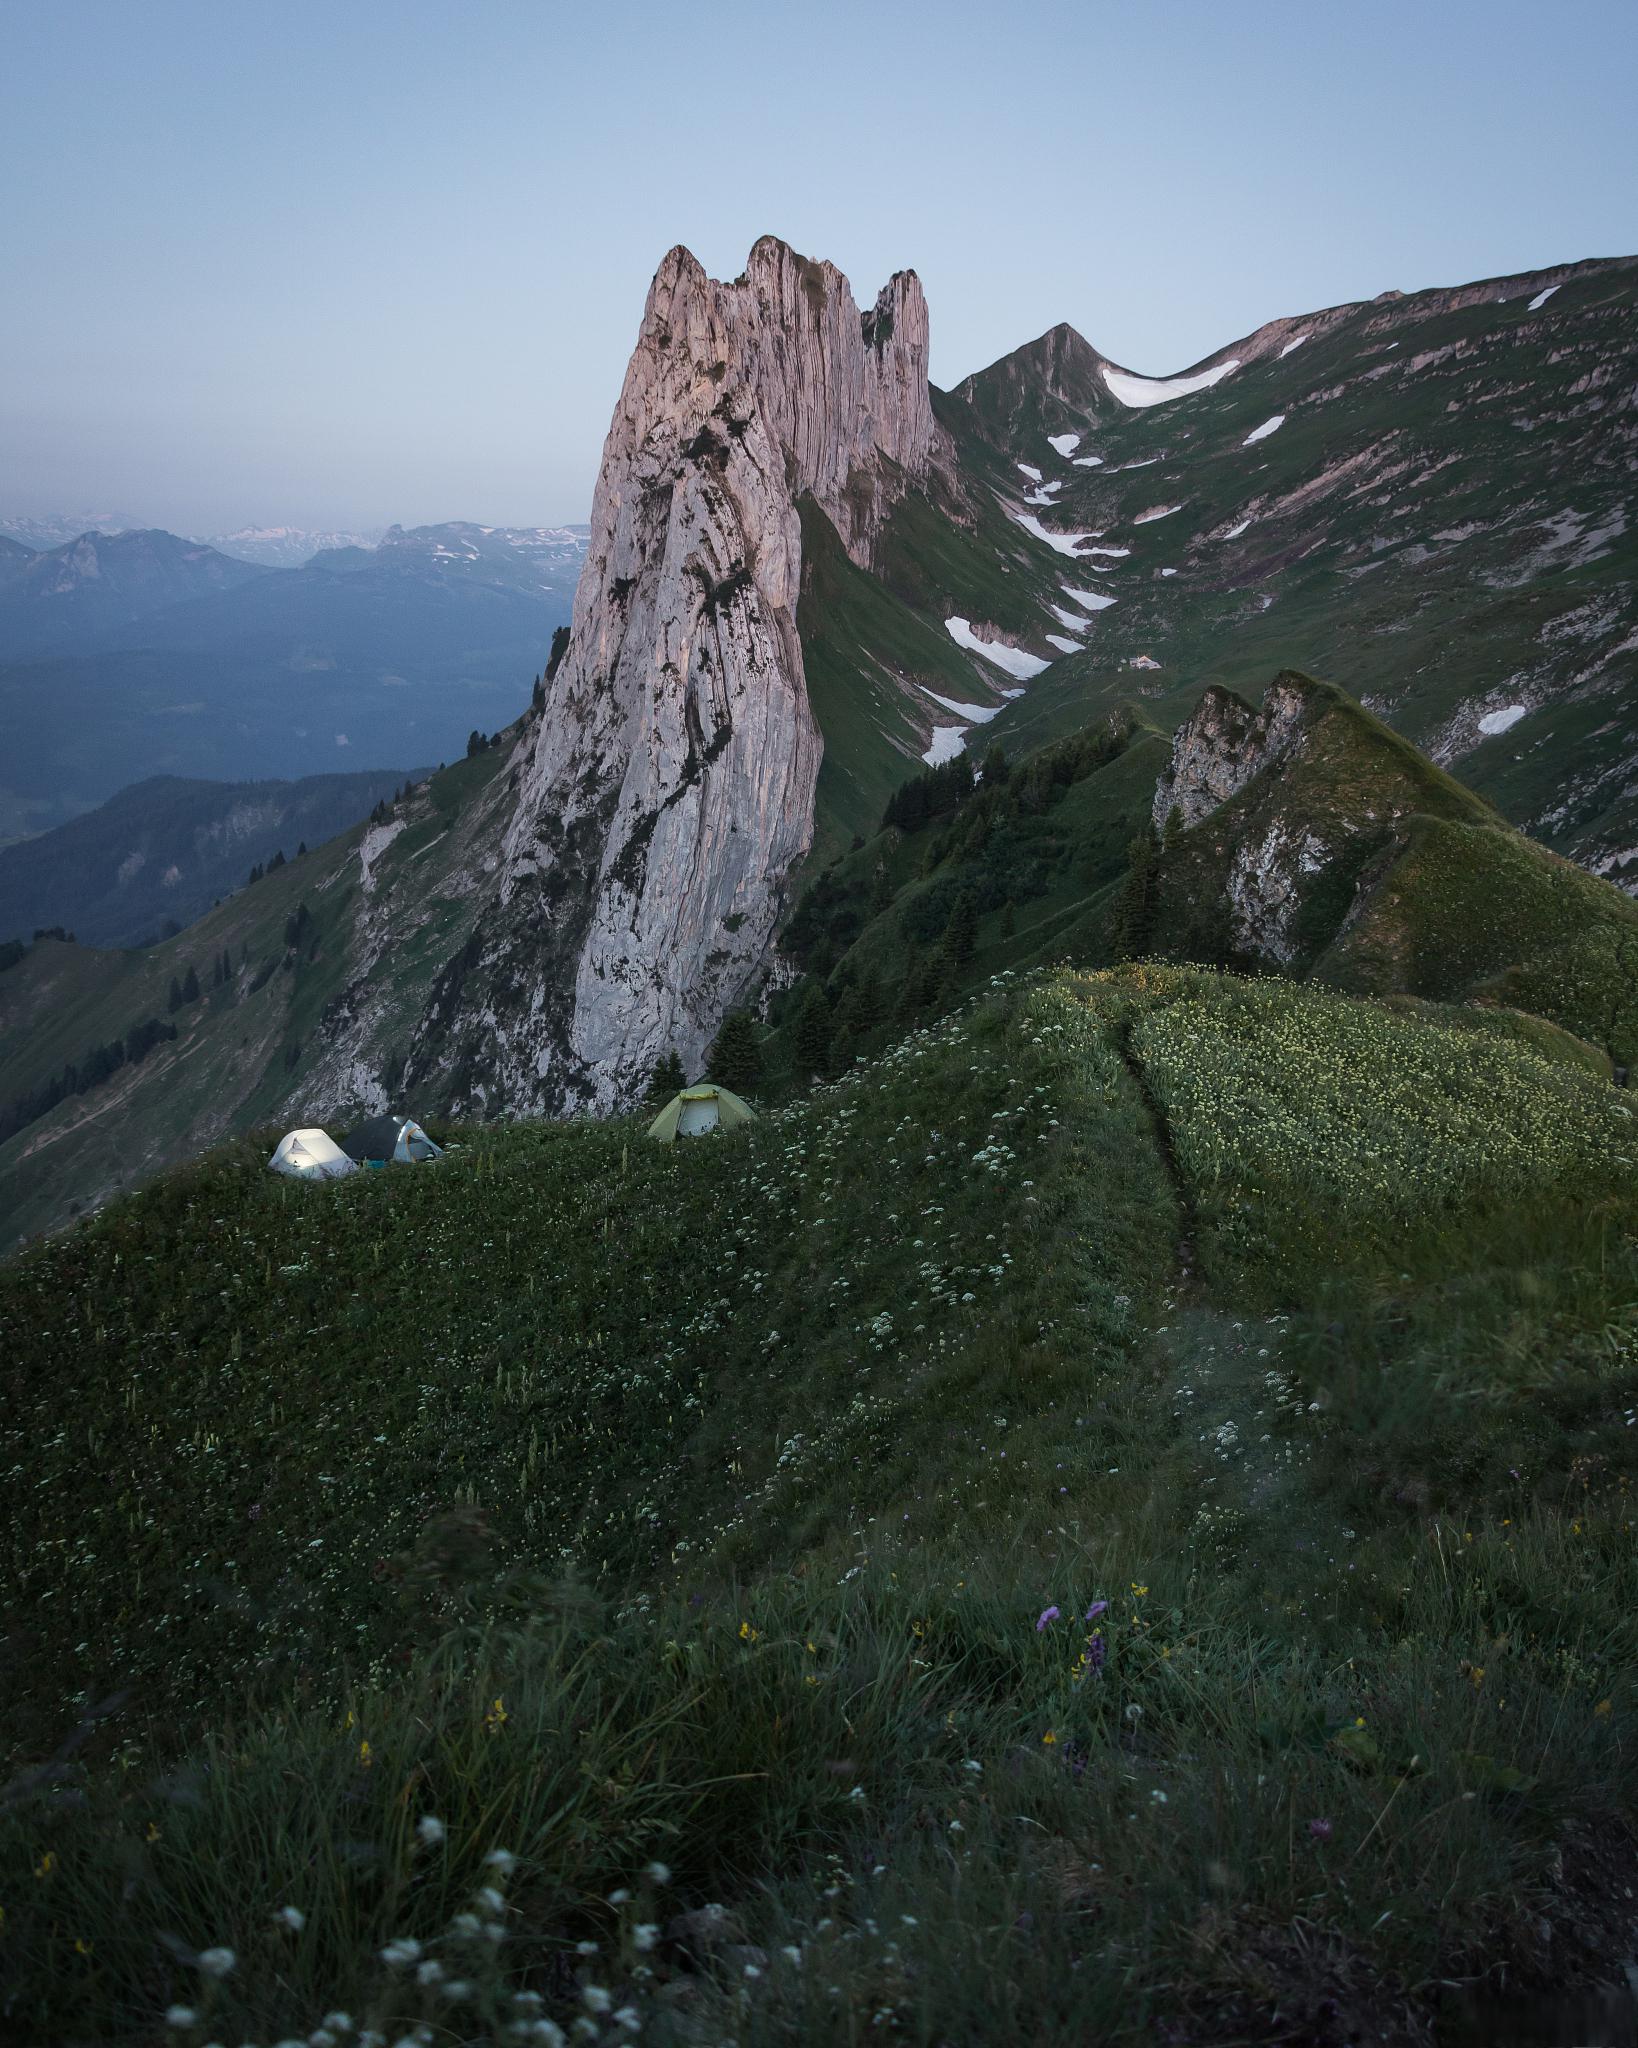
(349,263)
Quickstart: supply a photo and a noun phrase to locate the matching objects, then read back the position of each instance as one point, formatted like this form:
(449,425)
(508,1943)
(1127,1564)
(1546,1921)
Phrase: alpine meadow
(914,1317)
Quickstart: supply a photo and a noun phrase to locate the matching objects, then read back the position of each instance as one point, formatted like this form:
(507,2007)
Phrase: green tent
(704,1107)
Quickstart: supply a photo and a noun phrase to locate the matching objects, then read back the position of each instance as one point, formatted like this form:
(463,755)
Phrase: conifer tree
(1135,911)
(812,1034)
(667,1078)
(735,1058)
(174,1000)
(1174,828)
(190,988)
(961,933)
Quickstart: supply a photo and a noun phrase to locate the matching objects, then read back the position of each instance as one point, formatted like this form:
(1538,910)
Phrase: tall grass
(743,1515)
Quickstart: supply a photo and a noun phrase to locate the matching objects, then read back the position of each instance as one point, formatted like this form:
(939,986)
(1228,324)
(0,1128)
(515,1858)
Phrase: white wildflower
(292,1917)
(217,1962)
(430,1829)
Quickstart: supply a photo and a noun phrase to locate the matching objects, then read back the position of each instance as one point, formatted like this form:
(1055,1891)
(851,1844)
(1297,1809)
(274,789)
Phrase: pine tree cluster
(83,1074)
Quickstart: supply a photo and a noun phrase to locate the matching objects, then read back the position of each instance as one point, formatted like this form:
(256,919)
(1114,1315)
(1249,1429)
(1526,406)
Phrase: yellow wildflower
(497,1717)
(1049,1737)
(365,1755)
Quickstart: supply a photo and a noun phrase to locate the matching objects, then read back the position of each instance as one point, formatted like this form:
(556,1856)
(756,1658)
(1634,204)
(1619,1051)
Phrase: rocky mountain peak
(667,791)
(1223,744)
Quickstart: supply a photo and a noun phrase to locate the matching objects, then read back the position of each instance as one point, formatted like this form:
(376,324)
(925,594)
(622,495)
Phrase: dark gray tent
(383,1139)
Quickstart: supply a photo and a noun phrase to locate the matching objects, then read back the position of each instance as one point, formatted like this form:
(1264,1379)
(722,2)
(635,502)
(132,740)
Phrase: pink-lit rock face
(668,791)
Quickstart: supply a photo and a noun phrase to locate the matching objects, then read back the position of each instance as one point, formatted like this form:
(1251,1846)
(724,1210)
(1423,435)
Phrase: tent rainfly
(383,1139)
(704,1107)
(310,1155)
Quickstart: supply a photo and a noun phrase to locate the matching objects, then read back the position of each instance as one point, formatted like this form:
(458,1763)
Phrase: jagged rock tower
(668,791)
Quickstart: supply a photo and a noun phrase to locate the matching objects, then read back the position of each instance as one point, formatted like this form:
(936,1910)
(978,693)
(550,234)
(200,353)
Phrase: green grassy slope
(732,1509)
(1439,525)
(869,662)
(1414,885)
(1401,882)
(248,1050)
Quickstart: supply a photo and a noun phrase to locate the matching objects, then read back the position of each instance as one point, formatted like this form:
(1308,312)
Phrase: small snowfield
(1013,659)
(1139,391)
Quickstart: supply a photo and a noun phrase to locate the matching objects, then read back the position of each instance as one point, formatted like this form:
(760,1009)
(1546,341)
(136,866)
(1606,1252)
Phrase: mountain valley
(136,654)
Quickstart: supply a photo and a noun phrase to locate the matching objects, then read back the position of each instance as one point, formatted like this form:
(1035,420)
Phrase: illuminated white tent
(311,1155)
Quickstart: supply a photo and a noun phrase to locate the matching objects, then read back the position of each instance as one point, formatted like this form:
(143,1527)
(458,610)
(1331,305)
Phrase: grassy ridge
(736,1506)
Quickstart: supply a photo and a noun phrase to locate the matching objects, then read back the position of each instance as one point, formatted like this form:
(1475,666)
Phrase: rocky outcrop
(667,790)
(1268,878)
(1217,752)
(1223,745)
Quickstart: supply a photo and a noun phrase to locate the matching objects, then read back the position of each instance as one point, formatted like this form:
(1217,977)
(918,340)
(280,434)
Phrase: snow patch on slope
(1066,444)
(1156,512)
(1295,342)
(1094,600)
(1013,659)
(1136,391)
(980,714)
(948,740)
(1262,433)
(1503,720)
(1541,299)
(1065,543)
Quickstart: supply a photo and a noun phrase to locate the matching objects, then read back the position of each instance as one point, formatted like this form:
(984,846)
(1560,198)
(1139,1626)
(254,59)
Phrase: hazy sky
(351,262)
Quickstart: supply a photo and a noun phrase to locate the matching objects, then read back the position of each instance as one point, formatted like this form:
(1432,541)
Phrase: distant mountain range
(141,653)
(158,855)
(287,547)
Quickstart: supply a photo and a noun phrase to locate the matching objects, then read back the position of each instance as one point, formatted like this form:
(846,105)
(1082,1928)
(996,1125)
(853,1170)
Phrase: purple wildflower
(1096,1650)
(1098,1607)
(1047,1614)
(1319,1830)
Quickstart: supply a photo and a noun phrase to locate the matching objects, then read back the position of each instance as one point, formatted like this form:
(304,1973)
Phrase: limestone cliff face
(1217,752)
(1222,746)
(667,791)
